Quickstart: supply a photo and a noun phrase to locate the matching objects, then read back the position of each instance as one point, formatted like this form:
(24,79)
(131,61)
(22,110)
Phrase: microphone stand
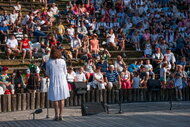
(47,102)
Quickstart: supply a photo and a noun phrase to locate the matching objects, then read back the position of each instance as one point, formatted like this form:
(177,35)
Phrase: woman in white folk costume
(56,70)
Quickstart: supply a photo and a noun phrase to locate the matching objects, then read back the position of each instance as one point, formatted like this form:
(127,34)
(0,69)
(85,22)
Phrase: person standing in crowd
(56,70)
(71,77)
(163,72)
(125,78)
(178,86)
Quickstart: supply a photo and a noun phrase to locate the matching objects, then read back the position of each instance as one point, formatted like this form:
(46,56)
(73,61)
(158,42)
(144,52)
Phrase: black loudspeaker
(80,87)
(154,85)
(93,108)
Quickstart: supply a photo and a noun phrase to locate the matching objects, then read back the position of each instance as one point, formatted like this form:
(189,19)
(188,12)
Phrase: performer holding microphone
(56,70)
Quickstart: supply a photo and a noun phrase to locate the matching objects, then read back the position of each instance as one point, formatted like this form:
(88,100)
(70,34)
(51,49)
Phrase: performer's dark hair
(55,53)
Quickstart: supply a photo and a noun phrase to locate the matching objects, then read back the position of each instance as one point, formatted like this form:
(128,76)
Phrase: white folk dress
(57,71)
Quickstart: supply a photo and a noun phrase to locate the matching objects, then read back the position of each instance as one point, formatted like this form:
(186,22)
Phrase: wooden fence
(29,101)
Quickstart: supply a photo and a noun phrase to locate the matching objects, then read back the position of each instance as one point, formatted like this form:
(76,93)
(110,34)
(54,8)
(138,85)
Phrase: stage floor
(150,114)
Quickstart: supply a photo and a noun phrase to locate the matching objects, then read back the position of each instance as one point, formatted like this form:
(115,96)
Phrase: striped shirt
(112,76)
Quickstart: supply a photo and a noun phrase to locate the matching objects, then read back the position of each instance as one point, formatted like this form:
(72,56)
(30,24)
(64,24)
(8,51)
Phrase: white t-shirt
(12,43)
(71,31)
(148,67)
(37,70)
(17,7)
(75,43)
(170,57)
(71,77)
(98,76)
(13,17)
(54,10)
(80,77)
(136,82)
(111,38)
(46,58)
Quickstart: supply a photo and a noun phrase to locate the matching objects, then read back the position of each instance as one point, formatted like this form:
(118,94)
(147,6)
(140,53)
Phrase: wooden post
(23,102)
(149,96)
(141,94)
(4,103)
(1,103)
(37,100)
(79,100)
(32,98)
(105,96)
(75,103)
(71,99)
(67,102)
(97,95)
(88,96)
(101,96)
(9,103)
(92,96)
(109,96)
(125,95)
(183,94)
(42,100)
(187,93)
(162,94)
(28,101)
(113,96)
(138,94)
(13,102)
(130,95)
(19,101)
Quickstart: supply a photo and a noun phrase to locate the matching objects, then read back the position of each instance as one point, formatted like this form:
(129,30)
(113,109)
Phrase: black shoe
(61,118)
(56,118)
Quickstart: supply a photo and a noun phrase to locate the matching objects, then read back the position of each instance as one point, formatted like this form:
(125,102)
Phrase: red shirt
(25,44)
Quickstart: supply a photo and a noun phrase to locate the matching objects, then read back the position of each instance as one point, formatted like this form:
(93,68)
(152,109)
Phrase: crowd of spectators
(158,28)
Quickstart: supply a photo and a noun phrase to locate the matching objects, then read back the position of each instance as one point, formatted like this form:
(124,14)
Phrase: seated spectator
(71,77)
(148,50)
(80,75)
(94,44)
(60,30)
(103,65)
(170,57)
(82,30)
(136,40)
(54,9)
(163,46)
(98,80)
(70,32)
(25,47)
(182,62)
(111,39)
(105,54)
(18,82)
(76,45)
(143,76)
(12,47)
(136,80)
(132,67)
(89,69)
(119,64)
(125,78)
(53,42)
(17,7)
(5,81)
(121,39)
(45,58)
(149,69)
(112,78)
(4,30)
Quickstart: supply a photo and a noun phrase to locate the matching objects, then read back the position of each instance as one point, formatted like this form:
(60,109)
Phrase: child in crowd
(136,80)
(178,86)
(171,80)
(163,72)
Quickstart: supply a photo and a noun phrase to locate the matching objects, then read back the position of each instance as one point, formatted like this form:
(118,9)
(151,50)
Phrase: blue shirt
(112,76)
(4,28)
(132,68)
(104,66)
